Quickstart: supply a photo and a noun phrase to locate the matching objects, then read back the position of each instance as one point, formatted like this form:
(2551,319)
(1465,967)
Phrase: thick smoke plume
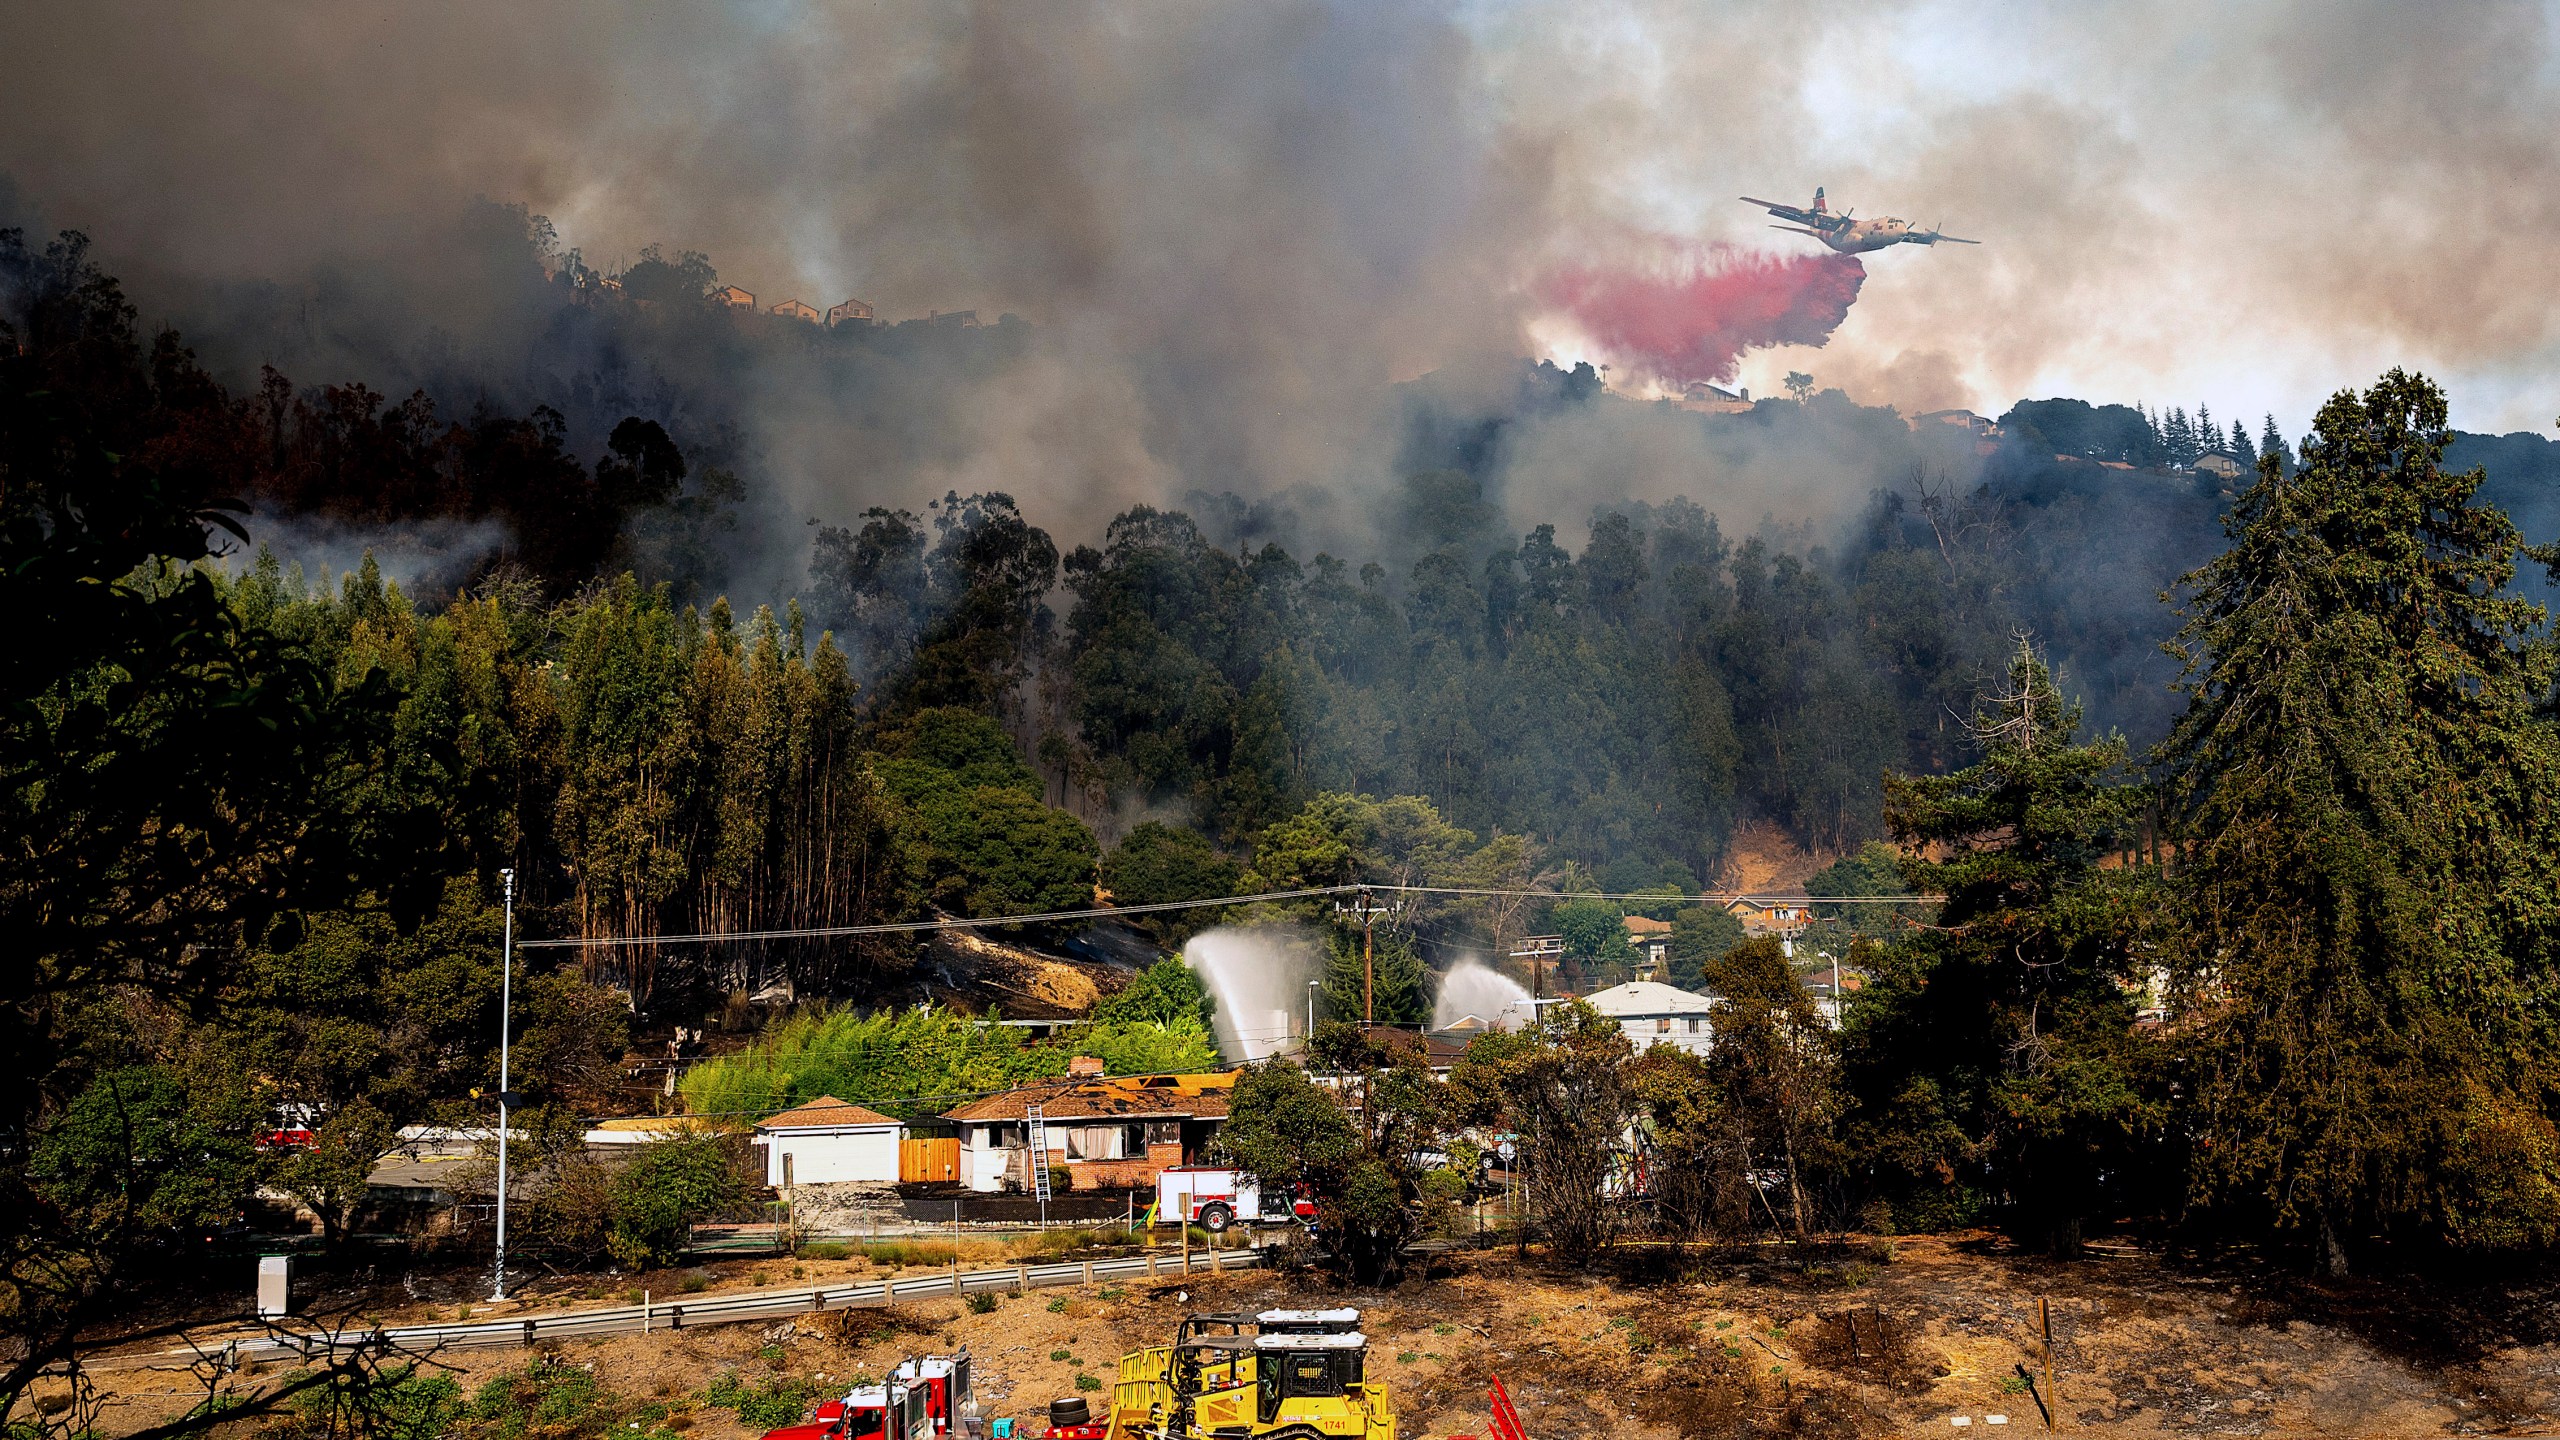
(1233,230)
(1692,315)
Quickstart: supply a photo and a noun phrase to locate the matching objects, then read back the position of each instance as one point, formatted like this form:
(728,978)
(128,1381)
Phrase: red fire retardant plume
(1692,317)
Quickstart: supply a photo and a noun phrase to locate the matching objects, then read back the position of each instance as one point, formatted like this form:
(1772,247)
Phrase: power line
(1656,897)
(1100,912)
(909,927)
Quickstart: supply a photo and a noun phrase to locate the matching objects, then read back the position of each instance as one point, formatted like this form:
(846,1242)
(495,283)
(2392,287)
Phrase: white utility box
(275,1286)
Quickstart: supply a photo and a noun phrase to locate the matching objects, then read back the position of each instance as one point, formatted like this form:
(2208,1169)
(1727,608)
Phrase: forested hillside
(2245,939)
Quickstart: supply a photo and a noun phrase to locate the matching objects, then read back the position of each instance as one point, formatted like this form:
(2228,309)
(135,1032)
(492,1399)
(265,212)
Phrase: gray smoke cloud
(1234,228)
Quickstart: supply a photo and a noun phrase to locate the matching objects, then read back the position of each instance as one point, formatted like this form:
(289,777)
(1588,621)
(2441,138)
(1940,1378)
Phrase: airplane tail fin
(1820,205)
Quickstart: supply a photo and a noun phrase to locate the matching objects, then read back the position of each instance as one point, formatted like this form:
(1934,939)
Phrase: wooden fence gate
(931,1159)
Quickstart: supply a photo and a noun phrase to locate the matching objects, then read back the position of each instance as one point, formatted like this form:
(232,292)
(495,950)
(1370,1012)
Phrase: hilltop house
(733,297)
(1650,937)
(1107,1133)
(797,310)
(851,312)
(1782,918)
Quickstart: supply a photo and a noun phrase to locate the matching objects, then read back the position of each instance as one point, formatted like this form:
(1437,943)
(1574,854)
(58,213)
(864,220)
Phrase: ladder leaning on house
(1036,1158)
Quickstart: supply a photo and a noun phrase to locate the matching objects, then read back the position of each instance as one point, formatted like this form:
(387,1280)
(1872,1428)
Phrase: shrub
(777,1402)
(1088,1382)
(665,1188)
(546,1398)
(982,1303)
(827,1250)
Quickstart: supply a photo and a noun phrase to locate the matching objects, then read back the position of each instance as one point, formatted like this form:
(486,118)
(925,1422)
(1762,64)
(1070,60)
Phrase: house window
(1693,1024)
(1096,1142)
(1162,1132)
(1662,1026)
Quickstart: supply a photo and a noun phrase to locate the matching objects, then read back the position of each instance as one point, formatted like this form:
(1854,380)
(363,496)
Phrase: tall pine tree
(1993,1061)
(2368,901)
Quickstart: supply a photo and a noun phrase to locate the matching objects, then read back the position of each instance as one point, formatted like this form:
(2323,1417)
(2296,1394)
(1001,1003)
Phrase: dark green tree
(1593,929)
(2364,894)
(1873,869)
(1774,1073)
(1157,864)
(1699,935)
(1991,1059)
(987,843)
(1393,986)
(1358,1168)
(1161,994)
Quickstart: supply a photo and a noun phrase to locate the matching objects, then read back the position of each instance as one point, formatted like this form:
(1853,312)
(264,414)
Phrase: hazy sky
(2245,204)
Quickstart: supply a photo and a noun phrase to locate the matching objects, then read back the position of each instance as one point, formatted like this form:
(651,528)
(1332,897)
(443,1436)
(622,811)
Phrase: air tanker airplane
(1850,236)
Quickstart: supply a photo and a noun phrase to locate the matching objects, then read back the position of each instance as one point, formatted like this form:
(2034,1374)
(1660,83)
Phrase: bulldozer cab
(1305,1367)
(1213,1322)
(1203,1363)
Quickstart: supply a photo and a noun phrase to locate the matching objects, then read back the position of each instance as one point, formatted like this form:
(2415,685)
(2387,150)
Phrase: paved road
(288,1342)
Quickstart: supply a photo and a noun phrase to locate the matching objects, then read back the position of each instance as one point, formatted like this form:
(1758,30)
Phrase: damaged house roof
(1134,1098)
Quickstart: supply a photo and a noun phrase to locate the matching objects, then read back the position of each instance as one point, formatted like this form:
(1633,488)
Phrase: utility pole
(1368,910)
(506,1016)
(1368,961)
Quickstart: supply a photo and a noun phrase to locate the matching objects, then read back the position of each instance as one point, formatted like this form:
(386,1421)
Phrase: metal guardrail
(731,1309)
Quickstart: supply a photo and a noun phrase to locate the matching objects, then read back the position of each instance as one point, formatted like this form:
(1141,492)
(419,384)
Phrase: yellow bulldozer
(1275,1375)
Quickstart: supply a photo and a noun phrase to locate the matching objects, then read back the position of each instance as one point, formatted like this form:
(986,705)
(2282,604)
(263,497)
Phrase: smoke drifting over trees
(1235,230)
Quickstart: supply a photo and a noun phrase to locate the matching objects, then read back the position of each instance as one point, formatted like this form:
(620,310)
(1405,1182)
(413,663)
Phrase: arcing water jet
(1259,979)
(1474,988)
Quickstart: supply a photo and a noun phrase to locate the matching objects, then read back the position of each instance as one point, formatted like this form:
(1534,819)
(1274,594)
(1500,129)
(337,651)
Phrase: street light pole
(1311,1009)
(506,1016)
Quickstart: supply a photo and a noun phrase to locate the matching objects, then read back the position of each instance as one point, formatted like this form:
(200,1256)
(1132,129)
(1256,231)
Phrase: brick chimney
(1085,1067)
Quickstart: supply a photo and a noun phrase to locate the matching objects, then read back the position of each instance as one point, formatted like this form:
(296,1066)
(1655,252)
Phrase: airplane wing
(1932,237)
(1800,230)
(1952,240)
(1783,212)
